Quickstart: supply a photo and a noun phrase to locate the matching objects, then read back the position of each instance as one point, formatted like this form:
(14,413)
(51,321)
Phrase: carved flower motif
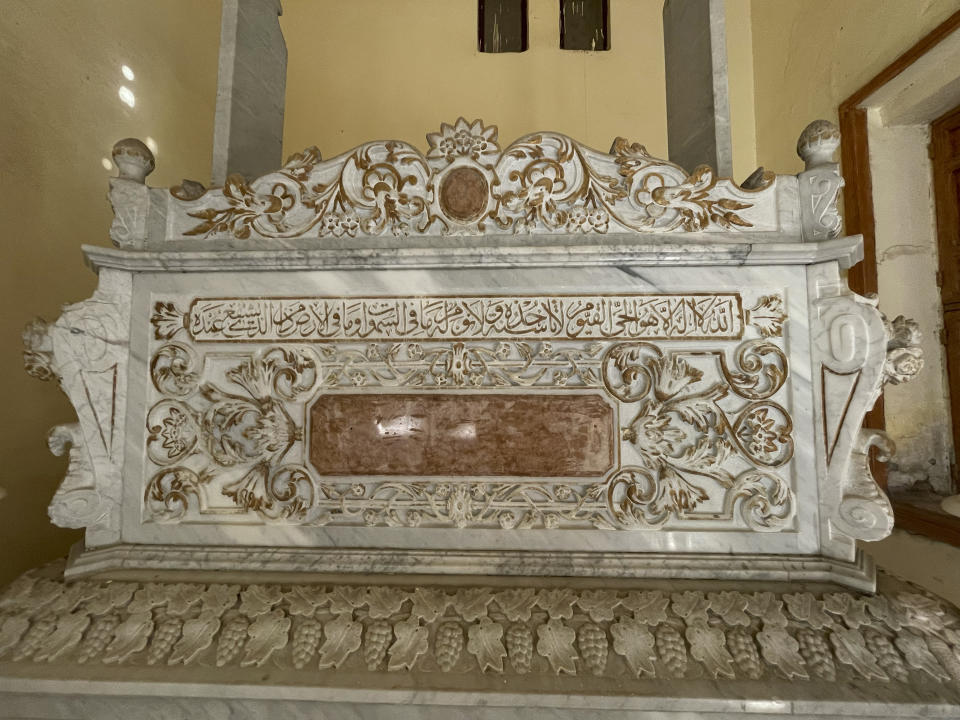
(460,506)
(463,140)
(358,490)
(442,491)
(762,433)
(503,350)
(655,434)
(415,351)
(507,520)
(340,224)
(551,521)
(903,364)
(174,441)
(414,518)
(562,492)
(458,363)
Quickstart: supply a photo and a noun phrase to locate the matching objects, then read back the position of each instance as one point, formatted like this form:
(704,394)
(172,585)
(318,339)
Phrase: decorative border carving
(681,438)
(631,635)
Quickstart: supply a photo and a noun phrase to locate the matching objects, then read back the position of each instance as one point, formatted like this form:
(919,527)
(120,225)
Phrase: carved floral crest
(542,183)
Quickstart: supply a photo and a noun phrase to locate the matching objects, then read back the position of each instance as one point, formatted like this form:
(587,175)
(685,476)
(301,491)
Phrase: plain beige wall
(356,73)
(810,55)
(60,113)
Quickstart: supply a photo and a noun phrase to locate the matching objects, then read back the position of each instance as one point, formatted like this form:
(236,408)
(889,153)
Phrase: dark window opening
(502,26)
(584,24)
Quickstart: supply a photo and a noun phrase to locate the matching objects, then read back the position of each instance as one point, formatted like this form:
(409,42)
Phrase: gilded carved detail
(701,438)
(633,636)
(666,316)
(465,184)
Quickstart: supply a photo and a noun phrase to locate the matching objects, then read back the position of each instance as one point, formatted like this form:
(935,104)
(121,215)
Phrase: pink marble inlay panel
(446,434)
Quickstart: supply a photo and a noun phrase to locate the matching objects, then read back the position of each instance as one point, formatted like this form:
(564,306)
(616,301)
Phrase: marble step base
(102,648)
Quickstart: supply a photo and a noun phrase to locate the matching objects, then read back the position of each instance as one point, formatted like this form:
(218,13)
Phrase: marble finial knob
(133,159)
(818,142)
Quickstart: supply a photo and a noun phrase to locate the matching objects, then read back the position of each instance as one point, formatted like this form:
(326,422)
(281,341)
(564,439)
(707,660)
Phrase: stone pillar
(248,126)
(698,105)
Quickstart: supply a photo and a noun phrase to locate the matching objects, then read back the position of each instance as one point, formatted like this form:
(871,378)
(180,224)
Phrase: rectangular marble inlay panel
(462,435)
(642,315)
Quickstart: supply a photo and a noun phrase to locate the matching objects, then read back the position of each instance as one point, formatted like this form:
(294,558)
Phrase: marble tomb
(521,431)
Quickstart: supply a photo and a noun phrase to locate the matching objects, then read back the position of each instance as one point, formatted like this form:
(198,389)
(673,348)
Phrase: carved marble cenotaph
(500,432)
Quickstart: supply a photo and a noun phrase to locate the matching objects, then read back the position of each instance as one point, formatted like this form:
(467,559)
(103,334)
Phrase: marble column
(698,106)
(248,125)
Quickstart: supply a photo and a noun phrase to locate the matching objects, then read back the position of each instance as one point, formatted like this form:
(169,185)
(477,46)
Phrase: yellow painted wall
(810,55)
(60,114)
(380,69)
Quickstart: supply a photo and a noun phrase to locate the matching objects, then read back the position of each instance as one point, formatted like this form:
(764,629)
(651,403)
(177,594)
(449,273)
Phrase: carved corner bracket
(85,350)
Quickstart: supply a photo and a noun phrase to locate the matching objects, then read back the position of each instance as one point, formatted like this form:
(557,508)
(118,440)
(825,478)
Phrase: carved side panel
(86,350)
(856,351)
(703,432)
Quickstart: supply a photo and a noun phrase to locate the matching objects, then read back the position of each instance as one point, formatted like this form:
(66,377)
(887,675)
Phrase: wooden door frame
(860,219)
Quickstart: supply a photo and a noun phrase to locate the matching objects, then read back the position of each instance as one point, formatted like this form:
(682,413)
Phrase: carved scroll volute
(86,350)
(857,352)
(820,182)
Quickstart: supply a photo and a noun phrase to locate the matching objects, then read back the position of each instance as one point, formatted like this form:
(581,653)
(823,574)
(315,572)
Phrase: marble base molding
(131,561)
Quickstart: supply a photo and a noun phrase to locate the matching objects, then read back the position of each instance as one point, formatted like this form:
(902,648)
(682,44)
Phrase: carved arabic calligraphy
(318,319)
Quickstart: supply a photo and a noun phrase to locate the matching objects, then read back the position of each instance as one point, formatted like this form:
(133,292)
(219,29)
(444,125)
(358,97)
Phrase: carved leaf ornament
(688,446)
(634,636)
(542,183)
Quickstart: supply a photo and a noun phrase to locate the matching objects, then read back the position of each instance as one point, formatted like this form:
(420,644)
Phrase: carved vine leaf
(730,606)
(598,604)
(428,604)
(851,649)
(648,607)
(66,636)
(484,640)
(12,629)
(305,600)
(266,635)
(130,637)
(782,650)
(768,316)
(691,606)
(383,602)
(516,604)
(341,637)
(918,656)
(196,636)
(472,603)
(636,644)
(707,644)
(768,607)
(806,608)
(558,603)
(555,642)
(412,641)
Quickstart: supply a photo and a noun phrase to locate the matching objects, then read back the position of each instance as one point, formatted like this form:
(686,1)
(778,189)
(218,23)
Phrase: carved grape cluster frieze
(638,634)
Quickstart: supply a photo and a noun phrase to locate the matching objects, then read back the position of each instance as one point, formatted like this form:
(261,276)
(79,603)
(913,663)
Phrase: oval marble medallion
(464,193)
